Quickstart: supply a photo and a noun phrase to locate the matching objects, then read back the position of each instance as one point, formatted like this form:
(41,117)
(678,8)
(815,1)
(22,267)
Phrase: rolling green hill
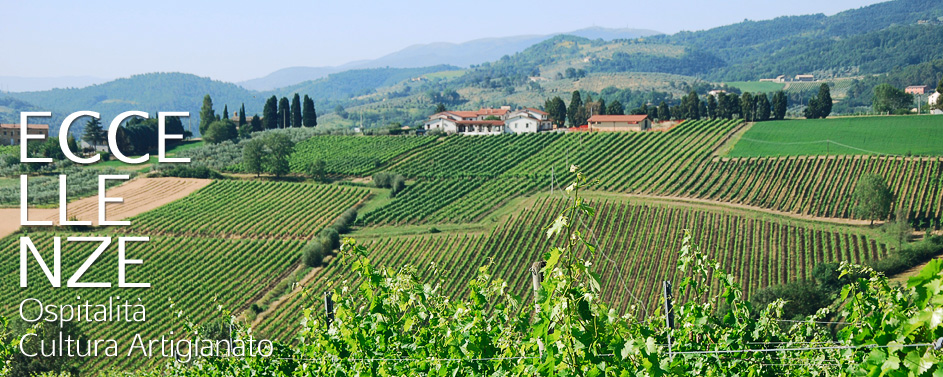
(150,92)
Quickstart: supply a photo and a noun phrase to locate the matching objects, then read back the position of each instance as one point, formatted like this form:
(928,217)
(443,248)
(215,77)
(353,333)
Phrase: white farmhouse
(528,121)
(489,121)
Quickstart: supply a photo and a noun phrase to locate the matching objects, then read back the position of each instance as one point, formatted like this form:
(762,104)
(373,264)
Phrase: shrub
(314,252)
(382,179)
(397,184)
(802,298)
(909,256)
(342,224)
(333,238)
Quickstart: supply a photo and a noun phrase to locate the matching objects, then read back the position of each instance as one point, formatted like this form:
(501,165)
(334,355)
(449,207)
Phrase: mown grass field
(891,135)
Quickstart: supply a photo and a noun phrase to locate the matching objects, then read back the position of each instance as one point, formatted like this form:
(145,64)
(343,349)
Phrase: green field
(756,86)
(894,135)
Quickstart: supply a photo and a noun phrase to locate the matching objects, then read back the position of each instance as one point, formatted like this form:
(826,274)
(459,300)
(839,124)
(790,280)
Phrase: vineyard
(353,155)
(474,156)
(448,200)
(278,210)
(193,275)
(449,191)
(679,162)
(631,162)
(818,186)
(637,248)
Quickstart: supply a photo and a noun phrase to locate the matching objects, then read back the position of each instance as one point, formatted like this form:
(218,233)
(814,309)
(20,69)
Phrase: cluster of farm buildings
(10,133)
(488,121)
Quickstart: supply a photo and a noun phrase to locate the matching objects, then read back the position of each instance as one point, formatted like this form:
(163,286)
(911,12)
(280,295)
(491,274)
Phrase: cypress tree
(664,113)
(270,113)
(762,107)
(296,111)
(711,107)
(308,114)
(572,112)
(780,103)
(283,109)
(824,101)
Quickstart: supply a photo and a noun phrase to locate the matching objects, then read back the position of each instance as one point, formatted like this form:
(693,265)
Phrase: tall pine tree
(556,109)
(93,133)
(207,115)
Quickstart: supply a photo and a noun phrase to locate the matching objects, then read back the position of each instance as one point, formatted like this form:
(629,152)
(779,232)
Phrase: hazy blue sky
(238,40)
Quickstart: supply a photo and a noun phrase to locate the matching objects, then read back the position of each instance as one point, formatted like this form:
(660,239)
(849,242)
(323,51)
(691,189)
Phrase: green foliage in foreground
(896,135)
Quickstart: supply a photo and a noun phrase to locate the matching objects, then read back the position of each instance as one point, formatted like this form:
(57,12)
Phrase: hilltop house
(10,133)
(917,89)
(489,121)
(617,123)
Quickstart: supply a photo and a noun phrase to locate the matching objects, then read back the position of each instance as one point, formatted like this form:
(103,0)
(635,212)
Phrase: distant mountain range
(423,55)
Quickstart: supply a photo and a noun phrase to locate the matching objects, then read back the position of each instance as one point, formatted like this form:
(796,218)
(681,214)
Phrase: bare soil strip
(140,195)
(296,290)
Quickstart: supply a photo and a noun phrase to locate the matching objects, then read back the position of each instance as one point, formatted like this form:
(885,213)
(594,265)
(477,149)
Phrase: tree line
(276,114)
(752,107)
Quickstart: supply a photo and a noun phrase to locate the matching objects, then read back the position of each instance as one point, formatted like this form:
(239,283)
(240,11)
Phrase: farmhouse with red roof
(489,121)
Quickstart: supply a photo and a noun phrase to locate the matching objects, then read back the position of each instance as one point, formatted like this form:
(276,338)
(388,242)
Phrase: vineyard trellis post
(669,312)
(537,277)
(329,307)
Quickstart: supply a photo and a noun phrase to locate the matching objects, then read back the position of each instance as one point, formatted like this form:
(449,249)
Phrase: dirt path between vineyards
(140,195)
(273,307)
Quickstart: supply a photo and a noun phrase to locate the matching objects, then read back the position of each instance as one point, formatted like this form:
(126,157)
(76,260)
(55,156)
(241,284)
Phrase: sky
(238,40)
